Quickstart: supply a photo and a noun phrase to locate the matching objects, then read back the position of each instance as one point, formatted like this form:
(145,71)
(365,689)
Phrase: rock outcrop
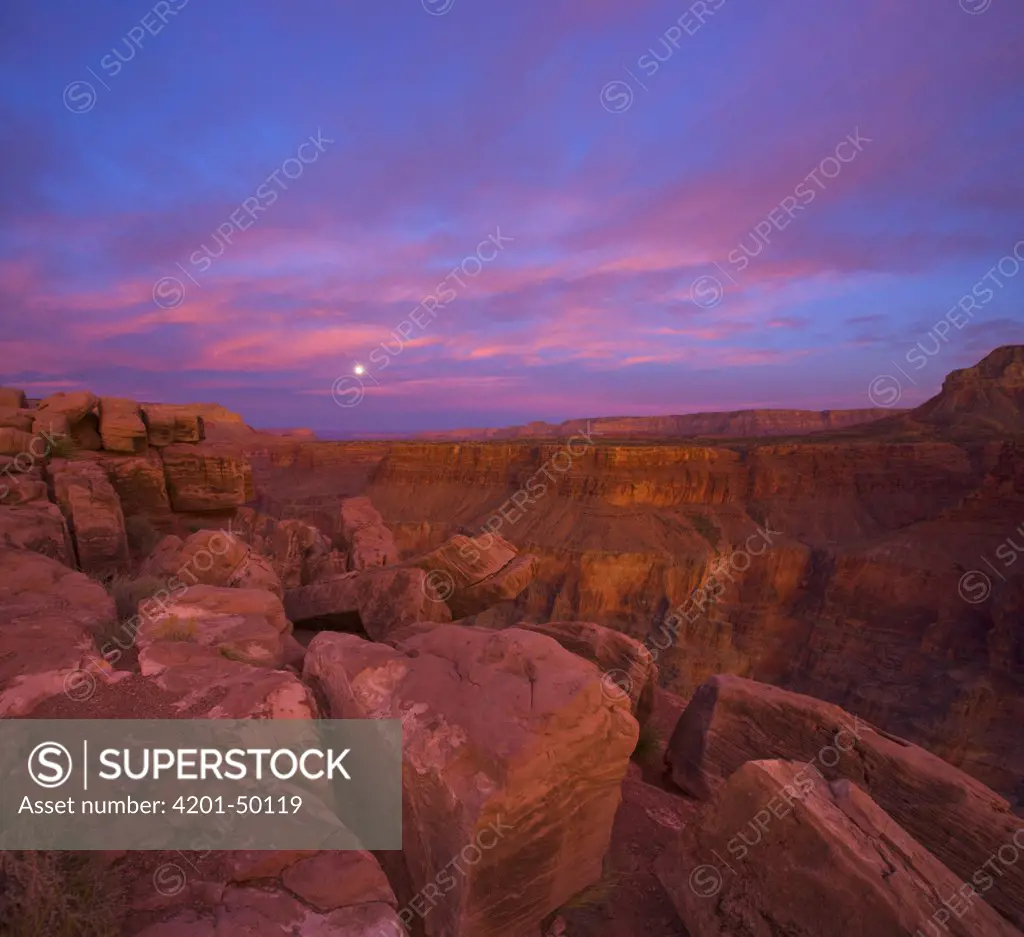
(731,721)
(362,535)
(246,625)
(533,801)
(781,851)
(472,574)
(189,672)
(988,396)
(207,477)
(94,515)
(39,527)
(49,618)
(212,558)
(11,398)
(167,424)
(627,667)
(374,601)
(733,423)
(298,552)
(121,426)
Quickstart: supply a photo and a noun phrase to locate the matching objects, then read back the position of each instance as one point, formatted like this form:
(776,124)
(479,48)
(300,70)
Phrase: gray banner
(200,784)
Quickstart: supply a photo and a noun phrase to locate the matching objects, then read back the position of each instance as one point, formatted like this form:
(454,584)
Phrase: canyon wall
(838,566)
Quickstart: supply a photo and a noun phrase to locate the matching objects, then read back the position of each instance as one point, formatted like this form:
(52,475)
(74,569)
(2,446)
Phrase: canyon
(628,656)
(891,584)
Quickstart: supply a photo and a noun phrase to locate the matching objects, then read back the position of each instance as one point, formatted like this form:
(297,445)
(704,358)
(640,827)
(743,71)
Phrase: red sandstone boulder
(331,880)
(94,515)
(513,761)
(212,558)
(731,721)
(298,552)
(363,535)
(11,398)
(17,419)
(376,601)
(208,685)
(14,442)
(626,666)
(780,851)
(206,477)
(472,574)
(37,526)
(246,911)
(167,424)
(49,617)
(246,625)
(121,426)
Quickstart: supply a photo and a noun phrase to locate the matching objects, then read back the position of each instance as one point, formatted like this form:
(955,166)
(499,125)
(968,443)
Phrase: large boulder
(246,625)
(14,442)
(121,426)
(74,414)
(205,684)
(168,424)
(363,536)
(472,574)
(50,616)
(212,558)
(779,851)
(626,666)
(38,526)
(11,398)
(17,419)
(140,484)
(248,911)
(298,552)
(731,721)
(513,759)
(206,477)
(94,515)
(376,601)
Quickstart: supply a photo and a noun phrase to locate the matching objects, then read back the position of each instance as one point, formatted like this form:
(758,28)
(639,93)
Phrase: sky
(502,212)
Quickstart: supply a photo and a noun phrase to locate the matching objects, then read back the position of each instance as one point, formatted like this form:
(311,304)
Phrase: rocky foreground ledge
(532,803)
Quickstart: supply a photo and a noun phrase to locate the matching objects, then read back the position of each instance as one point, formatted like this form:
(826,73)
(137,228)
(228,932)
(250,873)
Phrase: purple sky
(649,207)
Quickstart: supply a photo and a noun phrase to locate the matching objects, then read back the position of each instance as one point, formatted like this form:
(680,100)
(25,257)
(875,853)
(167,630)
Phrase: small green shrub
(127,591)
